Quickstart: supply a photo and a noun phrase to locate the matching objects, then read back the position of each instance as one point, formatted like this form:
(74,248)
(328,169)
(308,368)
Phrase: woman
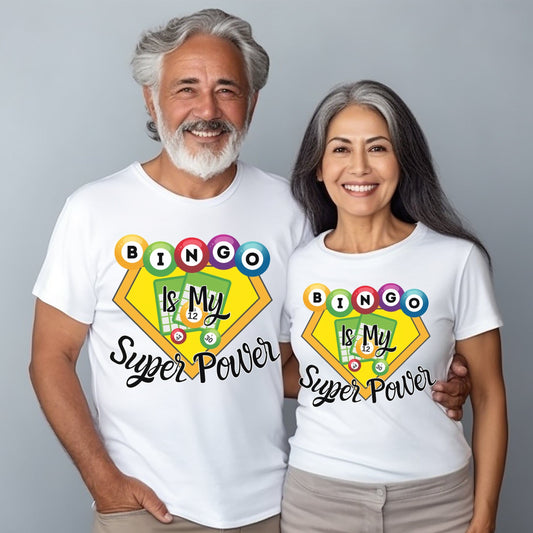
(378,302)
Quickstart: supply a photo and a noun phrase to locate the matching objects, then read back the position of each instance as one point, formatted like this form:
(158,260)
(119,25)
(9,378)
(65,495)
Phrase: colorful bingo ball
(366,351)
(222,250)
(380,367)
(315,297)
(414,302)
(178,336)
(389,296)
(354,365)
(129,251)
(252,258)
(365,299)
(158,259)
(192,318)
(210,338)
(191,255)
(338,302)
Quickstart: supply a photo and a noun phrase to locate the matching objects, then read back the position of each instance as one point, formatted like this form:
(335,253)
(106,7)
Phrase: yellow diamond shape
(246,298)
(410,333)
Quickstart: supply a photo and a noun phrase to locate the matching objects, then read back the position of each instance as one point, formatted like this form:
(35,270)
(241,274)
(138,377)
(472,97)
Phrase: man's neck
(163,171)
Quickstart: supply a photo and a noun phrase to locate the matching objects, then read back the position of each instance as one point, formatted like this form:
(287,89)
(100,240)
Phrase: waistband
(348,490)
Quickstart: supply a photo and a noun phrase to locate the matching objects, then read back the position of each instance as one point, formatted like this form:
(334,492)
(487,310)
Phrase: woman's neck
(356,235)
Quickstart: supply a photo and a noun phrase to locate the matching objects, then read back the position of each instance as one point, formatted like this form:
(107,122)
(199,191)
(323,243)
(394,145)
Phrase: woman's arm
(489,435)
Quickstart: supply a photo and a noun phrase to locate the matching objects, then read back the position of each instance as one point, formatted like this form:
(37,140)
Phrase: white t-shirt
(186,372)
(372,333)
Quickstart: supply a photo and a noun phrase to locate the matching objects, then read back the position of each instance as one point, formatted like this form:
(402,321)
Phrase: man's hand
(453,393)
(126,493)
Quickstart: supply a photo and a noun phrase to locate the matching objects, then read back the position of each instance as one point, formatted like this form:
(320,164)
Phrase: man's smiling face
(202,106)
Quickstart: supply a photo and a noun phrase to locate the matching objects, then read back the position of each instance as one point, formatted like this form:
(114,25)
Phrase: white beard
(205,164)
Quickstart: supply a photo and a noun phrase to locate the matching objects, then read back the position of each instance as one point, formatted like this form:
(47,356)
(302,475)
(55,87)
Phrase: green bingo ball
(210,338)
(380,367)
(339,302)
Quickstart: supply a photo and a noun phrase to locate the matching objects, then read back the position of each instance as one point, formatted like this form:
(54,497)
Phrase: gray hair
(418,197)
(154,44)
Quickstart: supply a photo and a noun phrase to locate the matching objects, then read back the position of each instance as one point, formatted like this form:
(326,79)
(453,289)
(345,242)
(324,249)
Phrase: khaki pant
(144,522)
(318,504)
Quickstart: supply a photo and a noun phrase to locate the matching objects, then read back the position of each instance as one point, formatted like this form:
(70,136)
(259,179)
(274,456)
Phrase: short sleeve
(476,310)
(285,334)
(304,238)
(66,280)
(307,234)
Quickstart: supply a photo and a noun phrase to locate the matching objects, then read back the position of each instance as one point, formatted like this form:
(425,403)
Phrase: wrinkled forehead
(205,58)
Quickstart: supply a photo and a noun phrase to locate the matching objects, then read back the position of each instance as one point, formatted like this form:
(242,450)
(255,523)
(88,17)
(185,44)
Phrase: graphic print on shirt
(192,298)
(367,334)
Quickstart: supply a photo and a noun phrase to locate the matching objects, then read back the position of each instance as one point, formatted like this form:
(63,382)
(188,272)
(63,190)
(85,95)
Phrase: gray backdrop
(72,114)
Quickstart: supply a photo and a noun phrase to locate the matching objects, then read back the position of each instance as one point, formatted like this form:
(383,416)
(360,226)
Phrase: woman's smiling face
(359,167)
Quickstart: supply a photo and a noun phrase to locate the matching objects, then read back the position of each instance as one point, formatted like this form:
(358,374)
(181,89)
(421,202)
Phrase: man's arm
(57,341)
(291,371)
(453,393)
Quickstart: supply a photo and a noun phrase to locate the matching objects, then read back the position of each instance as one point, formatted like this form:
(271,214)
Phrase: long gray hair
(154,44)
(418,197)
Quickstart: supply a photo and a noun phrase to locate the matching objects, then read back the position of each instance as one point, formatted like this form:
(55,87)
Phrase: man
(174,272)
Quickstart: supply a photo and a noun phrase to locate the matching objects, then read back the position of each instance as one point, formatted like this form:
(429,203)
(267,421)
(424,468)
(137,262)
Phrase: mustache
(208,125)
